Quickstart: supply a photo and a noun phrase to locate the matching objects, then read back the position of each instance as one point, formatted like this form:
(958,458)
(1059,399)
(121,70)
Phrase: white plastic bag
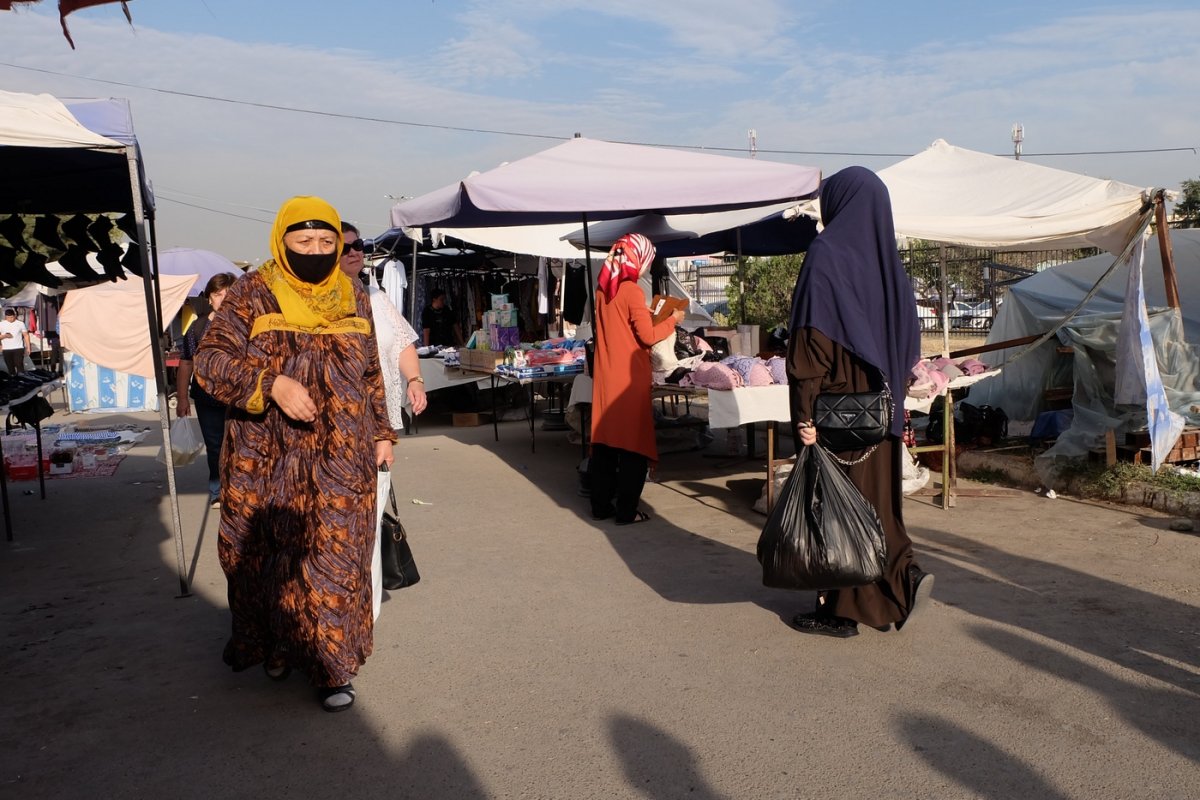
(382,488)
(186,442)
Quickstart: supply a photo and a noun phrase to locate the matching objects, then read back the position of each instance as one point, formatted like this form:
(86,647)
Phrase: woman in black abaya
(854,325)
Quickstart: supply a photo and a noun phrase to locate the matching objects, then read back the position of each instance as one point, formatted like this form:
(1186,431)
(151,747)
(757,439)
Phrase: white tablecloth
(438,376)
(729,408)
(726,409)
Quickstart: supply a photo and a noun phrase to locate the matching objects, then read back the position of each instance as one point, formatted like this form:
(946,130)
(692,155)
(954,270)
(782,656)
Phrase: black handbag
(399,568)
(853,421)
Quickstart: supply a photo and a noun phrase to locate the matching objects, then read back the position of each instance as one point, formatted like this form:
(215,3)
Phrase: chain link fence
(976,281)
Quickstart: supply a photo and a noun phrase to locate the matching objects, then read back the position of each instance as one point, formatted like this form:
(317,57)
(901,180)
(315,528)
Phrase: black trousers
(14,360)
(617,477)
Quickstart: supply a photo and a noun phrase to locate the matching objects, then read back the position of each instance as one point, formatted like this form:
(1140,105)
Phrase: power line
(159,187)
(212,210)
(291,109)
(526,135)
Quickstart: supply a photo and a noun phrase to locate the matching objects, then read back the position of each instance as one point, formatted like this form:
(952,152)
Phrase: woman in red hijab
(622,415)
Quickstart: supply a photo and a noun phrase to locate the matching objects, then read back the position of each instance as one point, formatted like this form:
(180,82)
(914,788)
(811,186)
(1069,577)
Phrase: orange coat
(622,415)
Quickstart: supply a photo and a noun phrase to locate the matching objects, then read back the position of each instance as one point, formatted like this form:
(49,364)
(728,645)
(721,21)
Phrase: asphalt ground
(544,655)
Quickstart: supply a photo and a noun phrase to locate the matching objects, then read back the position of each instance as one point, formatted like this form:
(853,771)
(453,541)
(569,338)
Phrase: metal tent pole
(149,278)
(587,260)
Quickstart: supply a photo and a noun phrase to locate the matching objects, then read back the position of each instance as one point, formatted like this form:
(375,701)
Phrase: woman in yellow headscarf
(292,352)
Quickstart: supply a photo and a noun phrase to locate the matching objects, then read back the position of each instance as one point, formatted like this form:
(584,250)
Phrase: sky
(835,84)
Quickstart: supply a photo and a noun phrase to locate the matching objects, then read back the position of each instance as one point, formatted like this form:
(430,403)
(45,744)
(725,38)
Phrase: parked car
(928,315)
(977,316)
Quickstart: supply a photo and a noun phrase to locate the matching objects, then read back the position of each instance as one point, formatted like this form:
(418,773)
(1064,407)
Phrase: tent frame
(143,218)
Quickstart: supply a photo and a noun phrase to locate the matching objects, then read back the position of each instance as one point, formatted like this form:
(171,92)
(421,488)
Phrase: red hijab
(624,263)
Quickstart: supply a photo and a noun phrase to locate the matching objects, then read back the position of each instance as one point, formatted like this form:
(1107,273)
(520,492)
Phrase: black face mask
(312,268)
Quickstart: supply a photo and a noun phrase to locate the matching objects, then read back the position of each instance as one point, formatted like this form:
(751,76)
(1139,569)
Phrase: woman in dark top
(210,413)
(854,325)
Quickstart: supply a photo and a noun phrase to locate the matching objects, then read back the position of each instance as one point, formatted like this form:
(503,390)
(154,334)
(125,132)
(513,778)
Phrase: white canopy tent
(955,196)
(583,180)
(72,157)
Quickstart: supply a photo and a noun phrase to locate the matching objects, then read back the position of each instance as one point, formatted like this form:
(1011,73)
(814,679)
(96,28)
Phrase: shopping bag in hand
(398,567)
(822,534)
(186,442)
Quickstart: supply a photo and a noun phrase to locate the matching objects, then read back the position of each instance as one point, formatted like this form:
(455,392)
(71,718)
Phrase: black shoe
(825,625)
(920,585)
(337,698)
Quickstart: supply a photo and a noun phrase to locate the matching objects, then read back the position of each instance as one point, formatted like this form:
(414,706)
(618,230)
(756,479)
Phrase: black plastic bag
(685,347)
(822,533)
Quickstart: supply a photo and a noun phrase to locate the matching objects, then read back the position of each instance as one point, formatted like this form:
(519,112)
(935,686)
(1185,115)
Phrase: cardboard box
(485,360)
(470,419)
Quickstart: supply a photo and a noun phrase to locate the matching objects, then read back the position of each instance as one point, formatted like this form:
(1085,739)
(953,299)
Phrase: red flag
(67,6)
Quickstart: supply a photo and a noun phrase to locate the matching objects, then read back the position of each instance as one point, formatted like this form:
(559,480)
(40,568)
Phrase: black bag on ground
(993,425)
(395,556)
(32,411)
(822,534)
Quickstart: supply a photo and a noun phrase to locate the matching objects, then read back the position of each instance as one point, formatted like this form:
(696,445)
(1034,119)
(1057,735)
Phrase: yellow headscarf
(325,307)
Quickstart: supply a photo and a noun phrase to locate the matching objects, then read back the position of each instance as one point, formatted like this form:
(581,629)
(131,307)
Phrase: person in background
(209,412)
(292,353)
(623,443)
(395,337)
(853,326)
(14,339)
(438,324)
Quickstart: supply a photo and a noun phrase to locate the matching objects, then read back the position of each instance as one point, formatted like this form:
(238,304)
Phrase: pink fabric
(702,344)
(107,323)
(716,376)
(538,358)
(753,370)
(972,366)
(758,375)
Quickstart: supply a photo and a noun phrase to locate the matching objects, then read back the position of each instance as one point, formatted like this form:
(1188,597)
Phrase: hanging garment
(576,293)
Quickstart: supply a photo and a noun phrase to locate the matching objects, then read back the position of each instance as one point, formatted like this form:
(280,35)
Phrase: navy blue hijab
(853,288)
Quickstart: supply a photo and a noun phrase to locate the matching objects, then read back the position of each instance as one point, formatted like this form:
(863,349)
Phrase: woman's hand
(808,433)
(383,453)
(182,406)
(293,399)
(416,397)
(678,315)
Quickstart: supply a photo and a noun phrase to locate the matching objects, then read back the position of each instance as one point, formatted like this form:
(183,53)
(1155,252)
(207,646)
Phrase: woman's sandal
(640,516)
(277,668)
(336,698)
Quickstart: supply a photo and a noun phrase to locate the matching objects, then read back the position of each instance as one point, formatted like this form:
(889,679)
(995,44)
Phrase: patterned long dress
(298,499)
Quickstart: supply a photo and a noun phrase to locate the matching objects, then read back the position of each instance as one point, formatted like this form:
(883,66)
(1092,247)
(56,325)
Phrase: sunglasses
(357,244)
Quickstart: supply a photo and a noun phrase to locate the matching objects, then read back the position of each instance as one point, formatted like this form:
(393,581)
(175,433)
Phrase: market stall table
(40,391)
(553,381)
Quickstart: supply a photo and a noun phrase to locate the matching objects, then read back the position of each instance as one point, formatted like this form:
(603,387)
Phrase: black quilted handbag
(399,568)
(854,421)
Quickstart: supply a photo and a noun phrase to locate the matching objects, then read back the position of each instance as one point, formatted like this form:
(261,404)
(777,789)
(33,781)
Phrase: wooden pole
(1170,281)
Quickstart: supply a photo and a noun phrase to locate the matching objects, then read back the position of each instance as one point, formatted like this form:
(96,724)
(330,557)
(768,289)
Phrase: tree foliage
(769,284)
(1187,210)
